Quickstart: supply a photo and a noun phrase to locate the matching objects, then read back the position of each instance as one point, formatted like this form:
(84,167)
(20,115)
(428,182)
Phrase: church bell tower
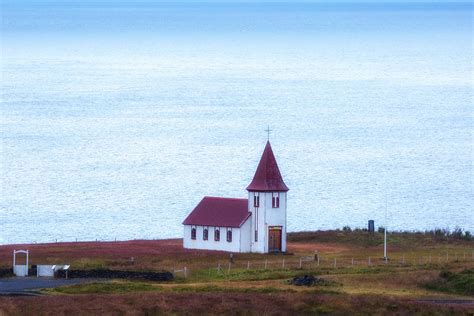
(267,202)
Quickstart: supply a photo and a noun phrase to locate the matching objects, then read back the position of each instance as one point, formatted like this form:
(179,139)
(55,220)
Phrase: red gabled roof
(216,211)
(267,177)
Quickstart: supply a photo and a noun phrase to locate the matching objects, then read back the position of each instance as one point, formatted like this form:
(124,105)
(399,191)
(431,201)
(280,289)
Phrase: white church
(256,224)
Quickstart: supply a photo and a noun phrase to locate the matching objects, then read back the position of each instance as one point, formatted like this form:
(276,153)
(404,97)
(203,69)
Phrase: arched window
(276,200)
(229,235)
(256,200)
(205,234)
(193,233)
(217,234)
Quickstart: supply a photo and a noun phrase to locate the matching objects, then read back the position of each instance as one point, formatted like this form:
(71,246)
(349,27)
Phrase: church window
(275,200)
(229,234)
(217,234)
(256,200)
(205,233)
(193,233)
(256,224)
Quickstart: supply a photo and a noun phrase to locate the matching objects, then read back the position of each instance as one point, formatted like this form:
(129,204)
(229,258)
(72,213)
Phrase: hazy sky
(223,1)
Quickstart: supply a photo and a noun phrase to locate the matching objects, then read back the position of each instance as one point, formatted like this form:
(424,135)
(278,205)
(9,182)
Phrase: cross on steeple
(268,130)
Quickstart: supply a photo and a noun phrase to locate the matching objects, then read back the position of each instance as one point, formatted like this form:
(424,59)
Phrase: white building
(256,224)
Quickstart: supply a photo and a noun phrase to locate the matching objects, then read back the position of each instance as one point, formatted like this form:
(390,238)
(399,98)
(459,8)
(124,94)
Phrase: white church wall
(267,216)
(276,217)
(258,222)
(245,236)
(211,244)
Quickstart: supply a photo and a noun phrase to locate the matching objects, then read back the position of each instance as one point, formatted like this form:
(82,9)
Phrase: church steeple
(267,177)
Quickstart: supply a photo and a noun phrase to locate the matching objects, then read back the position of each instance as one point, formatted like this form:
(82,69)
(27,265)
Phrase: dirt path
(17,286)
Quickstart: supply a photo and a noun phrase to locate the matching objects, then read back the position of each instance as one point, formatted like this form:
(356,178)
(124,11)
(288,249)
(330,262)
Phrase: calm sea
(118,118)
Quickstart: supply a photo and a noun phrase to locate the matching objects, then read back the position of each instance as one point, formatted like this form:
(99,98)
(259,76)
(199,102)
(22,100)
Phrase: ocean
(118,117)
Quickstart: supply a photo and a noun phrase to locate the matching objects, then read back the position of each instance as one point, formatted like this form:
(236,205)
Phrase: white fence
(20,270)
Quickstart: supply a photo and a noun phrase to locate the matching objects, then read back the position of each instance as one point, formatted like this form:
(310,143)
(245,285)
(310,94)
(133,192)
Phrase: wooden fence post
(185,272)
(352,262)
(283,264)
(248,265)
(369,260)
(300,263)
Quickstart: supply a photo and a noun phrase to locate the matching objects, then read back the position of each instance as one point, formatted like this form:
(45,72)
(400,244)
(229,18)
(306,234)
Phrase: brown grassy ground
(169,254)
(222,303)
(393,287)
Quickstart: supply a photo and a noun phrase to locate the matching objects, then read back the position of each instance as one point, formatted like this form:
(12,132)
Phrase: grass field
(426,274)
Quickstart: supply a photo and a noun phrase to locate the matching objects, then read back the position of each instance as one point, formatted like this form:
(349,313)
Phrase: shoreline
(456,233)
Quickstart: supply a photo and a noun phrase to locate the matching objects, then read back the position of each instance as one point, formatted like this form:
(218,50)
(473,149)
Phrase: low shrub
(118,274)
(445,234)
(6,272)
(448,281)
(346,228)
(105,288)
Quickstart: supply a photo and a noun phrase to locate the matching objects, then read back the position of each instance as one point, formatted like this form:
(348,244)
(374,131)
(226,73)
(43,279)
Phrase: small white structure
(20,270)
(256,224)
(48,270)
(44,270)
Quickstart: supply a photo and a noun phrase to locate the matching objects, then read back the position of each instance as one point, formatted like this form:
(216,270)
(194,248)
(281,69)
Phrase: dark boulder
(307,280)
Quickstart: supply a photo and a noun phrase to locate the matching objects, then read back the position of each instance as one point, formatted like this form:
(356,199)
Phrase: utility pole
(385,232)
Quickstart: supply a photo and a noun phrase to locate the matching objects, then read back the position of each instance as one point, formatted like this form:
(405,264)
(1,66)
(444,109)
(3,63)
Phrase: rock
(307,280)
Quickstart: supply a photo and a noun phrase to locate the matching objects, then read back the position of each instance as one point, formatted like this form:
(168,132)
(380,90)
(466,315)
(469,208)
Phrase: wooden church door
(274,238)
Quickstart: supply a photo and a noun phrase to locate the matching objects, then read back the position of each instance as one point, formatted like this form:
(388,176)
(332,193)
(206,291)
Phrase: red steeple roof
(267,177)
